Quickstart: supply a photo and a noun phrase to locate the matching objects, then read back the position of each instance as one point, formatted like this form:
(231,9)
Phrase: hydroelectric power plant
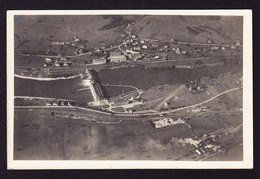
(96,91)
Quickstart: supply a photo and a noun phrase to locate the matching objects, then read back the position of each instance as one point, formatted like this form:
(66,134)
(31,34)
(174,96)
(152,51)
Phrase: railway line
(129,116)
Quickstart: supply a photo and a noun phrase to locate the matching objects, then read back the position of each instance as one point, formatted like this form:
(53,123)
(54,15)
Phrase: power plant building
(117,57)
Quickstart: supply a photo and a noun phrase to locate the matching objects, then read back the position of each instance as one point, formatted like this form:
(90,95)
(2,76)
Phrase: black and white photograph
(129,89)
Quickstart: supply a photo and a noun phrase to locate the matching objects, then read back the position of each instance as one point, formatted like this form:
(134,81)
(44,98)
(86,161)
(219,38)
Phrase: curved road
(127,86)
(193,105)
(227,91)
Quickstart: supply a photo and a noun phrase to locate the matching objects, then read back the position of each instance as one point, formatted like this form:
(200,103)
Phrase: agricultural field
(176,95)
(234,148)
(195,29)
(210,123)
(28,62)
(33,34)
(157,91)
(233,154)
(38,135)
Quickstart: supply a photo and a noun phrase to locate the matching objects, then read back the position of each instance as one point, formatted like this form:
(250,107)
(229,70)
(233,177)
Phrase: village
(134,49)
(69,58)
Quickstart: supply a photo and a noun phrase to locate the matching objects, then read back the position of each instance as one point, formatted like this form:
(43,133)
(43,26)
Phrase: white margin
(247,163)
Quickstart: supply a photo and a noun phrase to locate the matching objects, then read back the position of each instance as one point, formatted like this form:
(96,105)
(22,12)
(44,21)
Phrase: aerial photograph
(128,87)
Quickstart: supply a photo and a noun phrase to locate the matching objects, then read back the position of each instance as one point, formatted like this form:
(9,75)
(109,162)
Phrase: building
(164,55)
(97,61)
(56,64)
(132,52)
(76,39)
(117,57)
(214,48)
(144,47)
(47,60)
(135,56)
(238,43)
(136,48)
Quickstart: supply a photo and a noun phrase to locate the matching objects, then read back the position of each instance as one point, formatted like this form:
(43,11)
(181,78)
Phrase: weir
(94,86)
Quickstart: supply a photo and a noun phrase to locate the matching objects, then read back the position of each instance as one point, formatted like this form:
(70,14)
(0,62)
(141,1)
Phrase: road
(189,43)
(134,115)
(234,129)
(68,56)
(127,31)
(61,107)
(122,50)
(32,55)
(82,89)
(127,86)
(190,106)
(203,44)
(154,100)
(194,105)
(177,60)
(44,98)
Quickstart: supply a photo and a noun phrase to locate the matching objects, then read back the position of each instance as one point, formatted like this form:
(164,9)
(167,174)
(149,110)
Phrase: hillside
(35,32)
(190,28)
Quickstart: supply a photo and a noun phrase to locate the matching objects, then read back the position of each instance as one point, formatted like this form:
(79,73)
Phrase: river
(73,89)
(144,79)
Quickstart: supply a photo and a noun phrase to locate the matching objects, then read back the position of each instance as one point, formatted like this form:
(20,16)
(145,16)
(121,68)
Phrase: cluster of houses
(60,103)
(133,49)
(59,62)
(164,122)
(137,48)
(224,47)
(207,145)
(177,50)
(115,57)
(76,43)
(200,109)
(196,87)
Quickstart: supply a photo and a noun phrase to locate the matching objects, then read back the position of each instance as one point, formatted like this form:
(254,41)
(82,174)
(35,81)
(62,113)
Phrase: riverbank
(45,78)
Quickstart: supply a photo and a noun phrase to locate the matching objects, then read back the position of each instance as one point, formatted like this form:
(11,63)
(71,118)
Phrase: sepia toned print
(129,87)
